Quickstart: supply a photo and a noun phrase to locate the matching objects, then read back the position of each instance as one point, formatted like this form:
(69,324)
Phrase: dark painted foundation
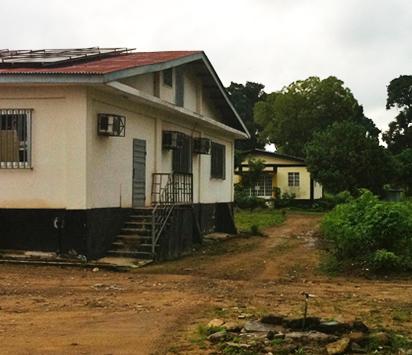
(216,217)
(92,232)
(87,232)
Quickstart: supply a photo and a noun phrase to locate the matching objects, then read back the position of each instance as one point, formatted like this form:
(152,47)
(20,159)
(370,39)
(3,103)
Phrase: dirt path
(155,310)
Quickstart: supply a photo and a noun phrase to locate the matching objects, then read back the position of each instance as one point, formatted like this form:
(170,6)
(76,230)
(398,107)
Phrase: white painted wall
(110,159)
(57,179)
(144,82)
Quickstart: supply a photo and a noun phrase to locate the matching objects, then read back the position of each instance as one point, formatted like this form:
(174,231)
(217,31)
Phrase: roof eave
(164,105)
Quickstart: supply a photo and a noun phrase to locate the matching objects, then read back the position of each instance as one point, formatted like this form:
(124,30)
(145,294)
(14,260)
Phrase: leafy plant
(212,330)
(382,260)
(275,342)
(371,232)
(399,342)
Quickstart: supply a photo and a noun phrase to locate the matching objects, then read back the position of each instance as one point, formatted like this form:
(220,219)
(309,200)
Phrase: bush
(372,231)
(330,201)
(287,200)
(244,201)
(385,260)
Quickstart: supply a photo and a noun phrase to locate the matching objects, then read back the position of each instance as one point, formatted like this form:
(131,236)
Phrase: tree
(244,98)
(293,115)
(345,157)
(404,177)
(255,170)
(399,135)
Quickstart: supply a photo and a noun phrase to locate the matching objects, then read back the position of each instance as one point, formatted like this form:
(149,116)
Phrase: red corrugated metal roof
(106,65)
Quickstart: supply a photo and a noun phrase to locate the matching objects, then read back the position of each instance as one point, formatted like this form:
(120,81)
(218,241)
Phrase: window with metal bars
(293,179)
(218,161)
(15,138)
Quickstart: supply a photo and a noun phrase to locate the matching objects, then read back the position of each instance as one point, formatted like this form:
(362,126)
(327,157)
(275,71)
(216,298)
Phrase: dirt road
(155,310)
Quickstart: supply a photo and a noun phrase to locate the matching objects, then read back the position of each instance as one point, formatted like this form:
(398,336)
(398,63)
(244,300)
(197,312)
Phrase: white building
(87,135)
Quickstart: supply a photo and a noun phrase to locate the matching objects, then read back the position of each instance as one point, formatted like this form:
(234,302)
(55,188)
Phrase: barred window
(15,138)
(293,179)
(218,163)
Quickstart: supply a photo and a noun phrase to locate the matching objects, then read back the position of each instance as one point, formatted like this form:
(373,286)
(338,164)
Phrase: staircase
(135,238)
(140,236)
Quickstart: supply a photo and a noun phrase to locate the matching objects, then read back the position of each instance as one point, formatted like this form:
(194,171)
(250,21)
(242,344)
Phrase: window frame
(218,161)
(18,120)
(263,187)
(182,157)
(293,179)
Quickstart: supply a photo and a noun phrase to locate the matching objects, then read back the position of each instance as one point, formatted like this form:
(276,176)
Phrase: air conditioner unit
(111,125)
(202,145)
(172,140)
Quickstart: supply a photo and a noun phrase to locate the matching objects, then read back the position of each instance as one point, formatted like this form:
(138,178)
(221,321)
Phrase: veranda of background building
(287,173)
(85,179)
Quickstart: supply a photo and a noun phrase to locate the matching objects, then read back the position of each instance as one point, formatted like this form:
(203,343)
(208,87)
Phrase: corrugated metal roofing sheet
(107,65)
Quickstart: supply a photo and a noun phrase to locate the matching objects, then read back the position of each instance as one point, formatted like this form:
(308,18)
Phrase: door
(139,173)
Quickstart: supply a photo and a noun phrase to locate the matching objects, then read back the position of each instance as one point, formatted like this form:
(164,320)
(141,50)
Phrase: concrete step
(131,254)
(131,239)
(136,231)
(139,224)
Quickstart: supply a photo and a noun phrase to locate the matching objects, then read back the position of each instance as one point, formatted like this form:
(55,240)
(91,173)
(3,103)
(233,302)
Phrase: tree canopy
(244,98)
(345,157)
(404,176)
(399,135)
(292,116)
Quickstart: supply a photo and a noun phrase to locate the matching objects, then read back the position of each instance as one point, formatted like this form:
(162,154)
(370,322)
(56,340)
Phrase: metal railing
(168,190)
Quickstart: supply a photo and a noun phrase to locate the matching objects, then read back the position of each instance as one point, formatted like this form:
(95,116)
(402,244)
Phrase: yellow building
(287,173)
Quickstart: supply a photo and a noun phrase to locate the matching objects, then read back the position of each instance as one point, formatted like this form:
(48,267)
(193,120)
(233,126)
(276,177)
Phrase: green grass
(259,219)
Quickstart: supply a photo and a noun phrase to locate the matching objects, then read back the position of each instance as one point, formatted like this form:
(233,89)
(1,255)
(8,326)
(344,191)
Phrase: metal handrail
(177,190)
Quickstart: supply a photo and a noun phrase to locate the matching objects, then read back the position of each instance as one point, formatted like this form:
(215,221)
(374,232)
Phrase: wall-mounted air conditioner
(202,145)
(111,125)
(172,140)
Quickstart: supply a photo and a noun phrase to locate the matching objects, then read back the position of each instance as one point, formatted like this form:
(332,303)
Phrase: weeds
(400,315)
(399,342)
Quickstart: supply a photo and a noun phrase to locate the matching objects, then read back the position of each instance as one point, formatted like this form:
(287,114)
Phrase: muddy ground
(156,310)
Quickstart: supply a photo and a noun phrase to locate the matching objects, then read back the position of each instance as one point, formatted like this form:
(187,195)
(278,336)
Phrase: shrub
(330,201)
(368,230)
(244,201)
(287,200)
(382,260)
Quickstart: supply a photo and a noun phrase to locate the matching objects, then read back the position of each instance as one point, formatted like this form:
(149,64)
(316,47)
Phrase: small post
(307,295)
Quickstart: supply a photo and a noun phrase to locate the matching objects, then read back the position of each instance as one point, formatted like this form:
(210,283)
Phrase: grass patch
(401,315)
(329,265)
(258,219)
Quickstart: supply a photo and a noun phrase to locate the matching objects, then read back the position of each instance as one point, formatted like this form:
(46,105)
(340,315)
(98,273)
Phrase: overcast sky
(365,43)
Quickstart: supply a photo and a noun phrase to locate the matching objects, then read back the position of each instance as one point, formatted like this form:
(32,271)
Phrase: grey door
(139,173)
